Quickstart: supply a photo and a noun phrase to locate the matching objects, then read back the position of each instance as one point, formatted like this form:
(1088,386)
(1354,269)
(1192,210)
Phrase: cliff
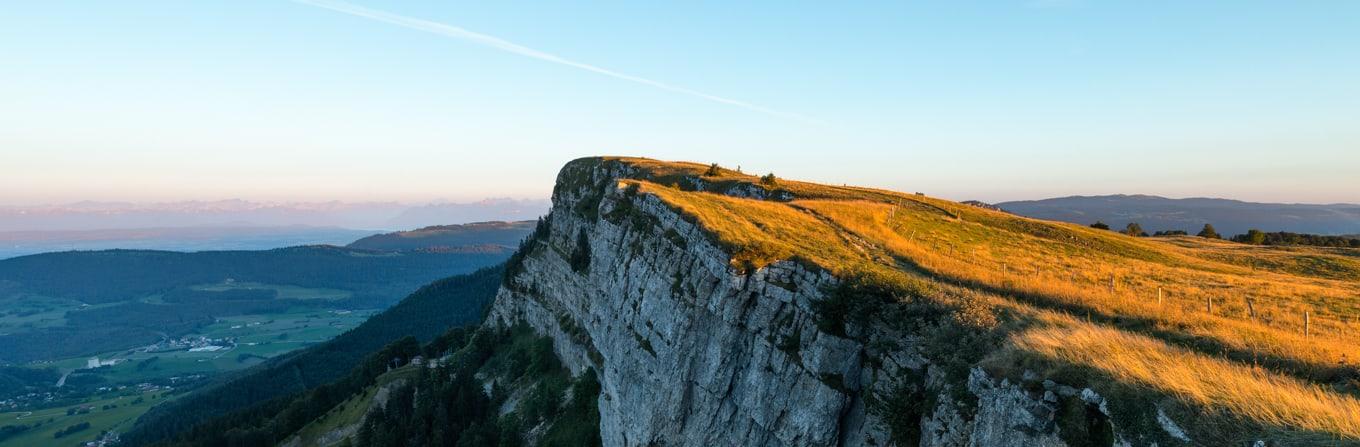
(721,309)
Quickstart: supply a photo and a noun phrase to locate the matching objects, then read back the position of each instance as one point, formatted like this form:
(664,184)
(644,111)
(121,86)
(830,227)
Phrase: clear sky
(412,101)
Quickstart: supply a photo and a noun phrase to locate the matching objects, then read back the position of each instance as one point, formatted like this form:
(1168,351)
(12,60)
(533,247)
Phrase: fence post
(1209,305)
(1251,310)
(1159,295)
(1307,323)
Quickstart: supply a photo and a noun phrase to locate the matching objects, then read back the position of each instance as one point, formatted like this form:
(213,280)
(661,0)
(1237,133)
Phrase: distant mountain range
(241,213)
(20,243)
(1155,213)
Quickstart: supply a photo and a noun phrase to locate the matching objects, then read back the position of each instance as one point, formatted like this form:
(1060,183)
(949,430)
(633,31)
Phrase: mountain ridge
(839,310)
(1156,213)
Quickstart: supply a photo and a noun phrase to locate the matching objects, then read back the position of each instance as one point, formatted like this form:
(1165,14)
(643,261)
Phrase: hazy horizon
(544,198)
(316,100)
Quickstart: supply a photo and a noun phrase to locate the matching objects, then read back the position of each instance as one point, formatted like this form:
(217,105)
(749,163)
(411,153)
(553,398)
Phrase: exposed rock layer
(691,351)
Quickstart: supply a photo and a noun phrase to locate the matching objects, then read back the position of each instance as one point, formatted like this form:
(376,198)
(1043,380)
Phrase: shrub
(713,170)
(580,258)
(1209,232)
(1135,230)
(1100,225)
(579,422)
(769,179)
(70,430)
(1253,237)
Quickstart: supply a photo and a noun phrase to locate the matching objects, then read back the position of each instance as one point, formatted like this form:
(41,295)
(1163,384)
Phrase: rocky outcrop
(692,351)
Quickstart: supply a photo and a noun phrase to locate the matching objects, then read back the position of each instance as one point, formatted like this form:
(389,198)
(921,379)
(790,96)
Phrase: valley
(108,322)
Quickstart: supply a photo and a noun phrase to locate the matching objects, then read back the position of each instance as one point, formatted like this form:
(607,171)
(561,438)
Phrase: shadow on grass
(1342,378)
(1133,408)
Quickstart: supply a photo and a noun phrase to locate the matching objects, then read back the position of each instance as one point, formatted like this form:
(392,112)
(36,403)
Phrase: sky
(284,100)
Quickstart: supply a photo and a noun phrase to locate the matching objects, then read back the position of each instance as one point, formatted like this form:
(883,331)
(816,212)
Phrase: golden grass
(1048,270)
(1053,275)
(759,232)
(1257,394)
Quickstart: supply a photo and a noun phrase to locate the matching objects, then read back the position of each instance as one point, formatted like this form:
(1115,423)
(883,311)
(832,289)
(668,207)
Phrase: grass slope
(1211,330)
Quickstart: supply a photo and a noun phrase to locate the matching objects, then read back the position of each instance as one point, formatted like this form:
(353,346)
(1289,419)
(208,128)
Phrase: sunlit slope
(1276,325)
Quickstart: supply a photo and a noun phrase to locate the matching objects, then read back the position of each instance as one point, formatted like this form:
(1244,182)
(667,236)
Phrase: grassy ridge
(1190,325)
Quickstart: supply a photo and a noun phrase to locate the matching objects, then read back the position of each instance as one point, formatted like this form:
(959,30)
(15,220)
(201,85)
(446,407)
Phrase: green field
(257,337)
(121,416)
(27,312)
(285,291)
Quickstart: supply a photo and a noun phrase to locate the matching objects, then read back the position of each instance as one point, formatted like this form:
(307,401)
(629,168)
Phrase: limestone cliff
(693,351)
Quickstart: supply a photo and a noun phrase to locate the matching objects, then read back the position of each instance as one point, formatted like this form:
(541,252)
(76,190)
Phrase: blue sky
(282,100)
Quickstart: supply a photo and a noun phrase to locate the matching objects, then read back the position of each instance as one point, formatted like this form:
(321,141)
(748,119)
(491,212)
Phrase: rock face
(691,351)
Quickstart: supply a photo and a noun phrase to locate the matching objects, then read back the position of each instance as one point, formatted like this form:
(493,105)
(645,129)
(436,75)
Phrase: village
(191,343)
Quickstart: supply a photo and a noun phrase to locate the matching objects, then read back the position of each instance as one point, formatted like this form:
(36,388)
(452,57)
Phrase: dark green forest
(1258,237)
(439,406)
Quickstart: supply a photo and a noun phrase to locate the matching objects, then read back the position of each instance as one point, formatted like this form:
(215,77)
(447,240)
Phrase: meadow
(257,337)
(114,413)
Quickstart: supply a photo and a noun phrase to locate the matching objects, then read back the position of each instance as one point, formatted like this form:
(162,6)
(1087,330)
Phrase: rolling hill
(493,236)
(1161,214)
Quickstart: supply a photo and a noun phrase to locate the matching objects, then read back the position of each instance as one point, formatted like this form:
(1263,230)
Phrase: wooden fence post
(1209,305)
(1251,310)
(1307,323)
(1159,295)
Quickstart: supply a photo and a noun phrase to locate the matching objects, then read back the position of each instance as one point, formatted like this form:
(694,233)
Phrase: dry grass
(1253,363)
(1070,277)
(1254,393)
(758,232)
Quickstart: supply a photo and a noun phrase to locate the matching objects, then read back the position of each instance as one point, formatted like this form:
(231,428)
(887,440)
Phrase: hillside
(478,236)
(1162,214)
(800,313)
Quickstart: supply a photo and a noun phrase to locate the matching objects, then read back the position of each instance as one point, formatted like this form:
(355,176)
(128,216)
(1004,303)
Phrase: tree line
(1252,237)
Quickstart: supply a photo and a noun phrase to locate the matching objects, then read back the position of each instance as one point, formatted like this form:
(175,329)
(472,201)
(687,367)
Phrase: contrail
(504,45)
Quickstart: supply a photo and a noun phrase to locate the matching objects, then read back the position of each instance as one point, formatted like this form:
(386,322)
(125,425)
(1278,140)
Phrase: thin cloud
(511,47)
